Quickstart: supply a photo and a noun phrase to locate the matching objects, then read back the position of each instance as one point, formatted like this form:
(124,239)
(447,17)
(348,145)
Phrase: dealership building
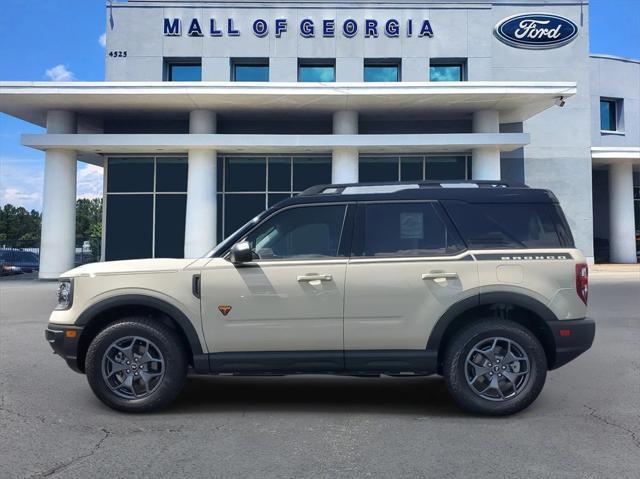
(212,111)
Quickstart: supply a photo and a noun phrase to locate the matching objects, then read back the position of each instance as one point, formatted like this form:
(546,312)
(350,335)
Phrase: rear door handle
(307,278)
(441,275)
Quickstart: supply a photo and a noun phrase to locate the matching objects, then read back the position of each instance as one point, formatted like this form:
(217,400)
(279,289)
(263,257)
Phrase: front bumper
(64,341)
(572,338)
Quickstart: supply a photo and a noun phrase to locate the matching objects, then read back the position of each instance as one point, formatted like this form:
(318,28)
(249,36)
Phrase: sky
(63,40)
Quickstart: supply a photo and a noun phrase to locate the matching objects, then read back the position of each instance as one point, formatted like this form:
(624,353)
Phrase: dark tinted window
(251,72)
(403,229)
(608,115)
(184,72)
(129,226)
(279,174)
(130,175)
(303,232)
(508,225)
(373,169)
(308,172)
(410,169)
(171,174)
(170,219)
(240,208)
(246,174)
(446,168)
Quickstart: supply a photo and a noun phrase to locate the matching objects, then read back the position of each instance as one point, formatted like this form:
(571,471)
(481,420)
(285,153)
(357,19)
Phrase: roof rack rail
(395,186)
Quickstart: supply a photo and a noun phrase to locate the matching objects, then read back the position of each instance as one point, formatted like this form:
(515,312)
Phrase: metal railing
(87,250)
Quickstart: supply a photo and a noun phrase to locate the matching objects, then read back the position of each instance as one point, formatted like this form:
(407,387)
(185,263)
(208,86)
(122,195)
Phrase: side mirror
(241,253)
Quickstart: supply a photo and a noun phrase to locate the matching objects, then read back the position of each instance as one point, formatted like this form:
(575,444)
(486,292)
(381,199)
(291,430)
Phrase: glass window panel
(403,229)
(129,226)
(245,174)
(308,172)
(381,73)
(277,198)
(445,72)
(445,168)
(185,72)
(512,225)
(220,173)
(170,219)
(171,174)
(251,72)
(219,233)
(279,174)
(130,175)
(374,169)
(304,232)
(410,169)
(240,208)
(316,73)
(608,115)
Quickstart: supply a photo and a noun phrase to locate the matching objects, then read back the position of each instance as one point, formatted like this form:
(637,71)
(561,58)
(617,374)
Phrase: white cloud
(21,182)
(89,180)
(60,73)
(102,40)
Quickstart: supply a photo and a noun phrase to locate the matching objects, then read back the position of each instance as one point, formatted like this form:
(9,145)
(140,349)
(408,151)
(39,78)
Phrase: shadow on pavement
(414,396)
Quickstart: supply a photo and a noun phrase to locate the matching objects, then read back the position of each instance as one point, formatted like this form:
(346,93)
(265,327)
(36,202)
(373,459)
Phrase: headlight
(65,294)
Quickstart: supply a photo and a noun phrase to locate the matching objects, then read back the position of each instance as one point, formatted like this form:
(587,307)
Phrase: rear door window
(403,229)
(512,225)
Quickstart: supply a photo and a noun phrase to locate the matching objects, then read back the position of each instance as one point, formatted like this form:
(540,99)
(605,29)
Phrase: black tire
(455,368)
(167,342)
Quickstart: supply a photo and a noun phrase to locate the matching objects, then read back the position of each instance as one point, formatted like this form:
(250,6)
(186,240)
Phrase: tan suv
(477,281)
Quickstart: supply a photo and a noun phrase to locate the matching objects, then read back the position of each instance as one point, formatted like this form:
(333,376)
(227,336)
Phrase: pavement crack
(65,465)
(632,434)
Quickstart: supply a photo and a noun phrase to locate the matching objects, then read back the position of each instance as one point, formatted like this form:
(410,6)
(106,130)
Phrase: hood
(134,266)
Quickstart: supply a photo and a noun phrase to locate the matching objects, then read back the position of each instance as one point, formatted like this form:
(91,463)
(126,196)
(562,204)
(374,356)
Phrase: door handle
(440,275)
(307,278)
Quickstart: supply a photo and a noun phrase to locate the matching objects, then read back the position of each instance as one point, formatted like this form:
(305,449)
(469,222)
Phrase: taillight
(582,282)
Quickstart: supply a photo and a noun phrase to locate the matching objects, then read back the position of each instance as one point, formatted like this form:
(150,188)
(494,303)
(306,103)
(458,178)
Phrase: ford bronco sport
(477,281)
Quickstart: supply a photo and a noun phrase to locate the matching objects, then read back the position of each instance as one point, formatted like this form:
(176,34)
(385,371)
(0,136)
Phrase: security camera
(560,101)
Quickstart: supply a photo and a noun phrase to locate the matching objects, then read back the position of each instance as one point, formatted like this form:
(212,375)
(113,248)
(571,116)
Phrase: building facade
(213,111)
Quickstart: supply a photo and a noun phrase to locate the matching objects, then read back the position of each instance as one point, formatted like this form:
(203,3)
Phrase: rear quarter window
(510,225)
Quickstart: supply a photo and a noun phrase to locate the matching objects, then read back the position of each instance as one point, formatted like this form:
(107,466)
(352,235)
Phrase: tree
(16,223)
(88,215)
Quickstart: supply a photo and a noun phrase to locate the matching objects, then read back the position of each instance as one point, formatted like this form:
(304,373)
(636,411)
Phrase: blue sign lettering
(194,28)
(349,28)
(260,28)
(528,31)
(426,30)
(307,30)
(172,28)
(281,26)
(328,28)
(370,28)
(392,28)
(213,31)
(231,31)
(536,31)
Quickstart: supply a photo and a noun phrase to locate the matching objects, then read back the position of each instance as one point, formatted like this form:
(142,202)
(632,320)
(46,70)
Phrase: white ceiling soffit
(516,101)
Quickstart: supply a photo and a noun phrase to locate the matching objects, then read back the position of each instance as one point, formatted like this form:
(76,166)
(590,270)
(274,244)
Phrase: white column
(622,230)
(57,243)
(344,164)
(200,222)
(486,160)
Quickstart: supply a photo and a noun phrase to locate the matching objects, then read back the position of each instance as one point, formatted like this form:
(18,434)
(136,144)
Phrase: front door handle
(439,275)
(308,278)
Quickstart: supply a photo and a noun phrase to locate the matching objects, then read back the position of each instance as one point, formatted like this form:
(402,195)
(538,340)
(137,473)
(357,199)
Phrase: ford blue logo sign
(536,31)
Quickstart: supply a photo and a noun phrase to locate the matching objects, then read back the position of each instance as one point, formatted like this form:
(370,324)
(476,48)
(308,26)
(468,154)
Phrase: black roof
(468,191)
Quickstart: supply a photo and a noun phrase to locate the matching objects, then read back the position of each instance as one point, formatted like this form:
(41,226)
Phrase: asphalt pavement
(585,424)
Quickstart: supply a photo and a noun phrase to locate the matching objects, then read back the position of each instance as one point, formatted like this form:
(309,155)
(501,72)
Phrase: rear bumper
(64,344)
(572,338)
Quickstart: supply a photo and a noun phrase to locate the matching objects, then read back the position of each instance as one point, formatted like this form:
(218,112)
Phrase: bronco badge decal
(224,309)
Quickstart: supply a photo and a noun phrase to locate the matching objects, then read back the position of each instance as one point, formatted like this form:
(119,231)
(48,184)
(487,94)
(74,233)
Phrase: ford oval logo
(536,31)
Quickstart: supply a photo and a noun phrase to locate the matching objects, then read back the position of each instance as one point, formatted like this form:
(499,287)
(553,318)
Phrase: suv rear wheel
(136,365)
(495,367)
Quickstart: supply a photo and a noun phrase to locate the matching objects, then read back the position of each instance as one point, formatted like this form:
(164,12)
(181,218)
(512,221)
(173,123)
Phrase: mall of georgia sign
(536,31)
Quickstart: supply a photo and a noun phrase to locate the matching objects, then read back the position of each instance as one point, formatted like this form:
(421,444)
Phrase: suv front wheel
(136,365)
(495,367)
